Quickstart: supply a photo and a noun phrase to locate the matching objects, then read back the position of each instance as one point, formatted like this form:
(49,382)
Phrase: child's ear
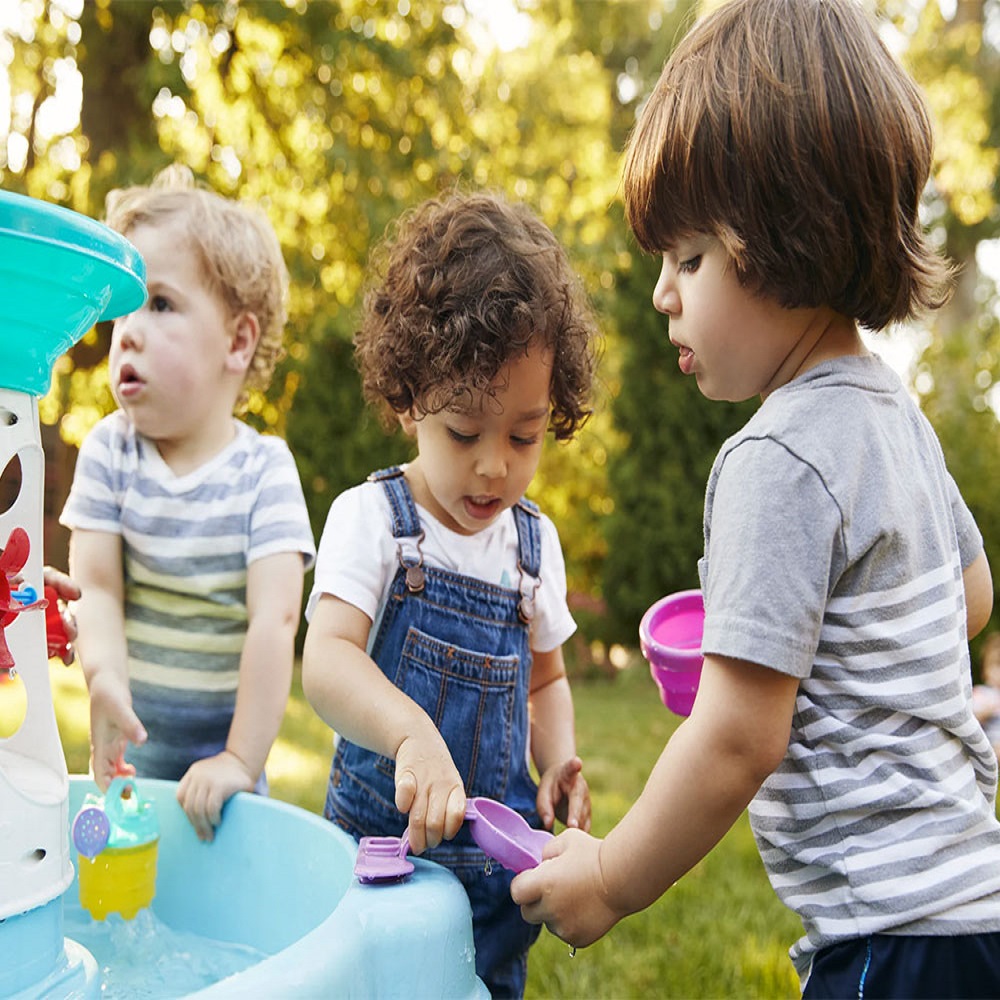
(408,423)
(243,339)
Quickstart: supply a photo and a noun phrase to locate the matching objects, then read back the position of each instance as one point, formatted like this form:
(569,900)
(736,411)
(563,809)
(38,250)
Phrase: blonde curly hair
(238,248)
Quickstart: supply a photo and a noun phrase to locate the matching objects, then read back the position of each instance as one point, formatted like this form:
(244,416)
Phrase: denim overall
(458,646)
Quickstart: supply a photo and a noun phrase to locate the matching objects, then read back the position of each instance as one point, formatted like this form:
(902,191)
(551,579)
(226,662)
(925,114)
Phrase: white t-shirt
(358,558)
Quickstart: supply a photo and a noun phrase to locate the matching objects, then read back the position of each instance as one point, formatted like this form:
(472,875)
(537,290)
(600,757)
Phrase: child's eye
(690,265)
(460,437)
(159,304)
(524,442)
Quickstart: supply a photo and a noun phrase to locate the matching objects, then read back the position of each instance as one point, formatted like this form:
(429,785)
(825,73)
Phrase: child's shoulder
(838,397)
(265,449)
(113,434)
(363,502)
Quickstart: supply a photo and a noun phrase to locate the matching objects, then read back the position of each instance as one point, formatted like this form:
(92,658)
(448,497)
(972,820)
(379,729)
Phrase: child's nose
(666,298)
(491,462)
(127,331)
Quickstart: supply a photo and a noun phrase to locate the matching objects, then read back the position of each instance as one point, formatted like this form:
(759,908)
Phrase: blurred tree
(334,117)
(658,476)
(337,115)
(953,50)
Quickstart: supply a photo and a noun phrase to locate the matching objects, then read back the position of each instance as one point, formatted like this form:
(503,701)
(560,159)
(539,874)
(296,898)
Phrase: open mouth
(129,381)
(482,508)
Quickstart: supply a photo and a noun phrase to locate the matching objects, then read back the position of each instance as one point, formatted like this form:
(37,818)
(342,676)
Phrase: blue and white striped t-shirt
(187,542)
(835,541)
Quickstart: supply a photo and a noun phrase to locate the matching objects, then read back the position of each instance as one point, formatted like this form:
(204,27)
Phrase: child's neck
(828,335)
(184,455)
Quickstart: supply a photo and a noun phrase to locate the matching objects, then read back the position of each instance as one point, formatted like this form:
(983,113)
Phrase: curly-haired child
(190,535)
(439,609)
(777,170)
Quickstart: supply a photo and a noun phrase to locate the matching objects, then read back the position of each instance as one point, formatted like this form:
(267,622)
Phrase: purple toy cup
(670,638)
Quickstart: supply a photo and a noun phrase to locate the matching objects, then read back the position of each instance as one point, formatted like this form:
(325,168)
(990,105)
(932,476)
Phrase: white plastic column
(35,865)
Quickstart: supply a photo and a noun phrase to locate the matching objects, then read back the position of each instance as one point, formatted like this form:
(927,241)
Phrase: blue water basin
(279,879)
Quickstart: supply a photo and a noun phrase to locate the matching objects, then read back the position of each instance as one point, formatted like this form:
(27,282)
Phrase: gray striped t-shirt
(186,542)
(835,541)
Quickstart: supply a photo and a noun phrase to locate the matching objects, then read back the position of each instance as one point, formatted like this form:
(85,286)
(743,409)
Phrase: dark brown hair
(461,286)
(787,130)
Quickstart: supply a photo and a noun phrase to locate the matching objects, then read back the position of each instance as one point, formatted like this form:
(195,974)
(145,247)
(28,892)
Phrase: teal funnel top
(60,273)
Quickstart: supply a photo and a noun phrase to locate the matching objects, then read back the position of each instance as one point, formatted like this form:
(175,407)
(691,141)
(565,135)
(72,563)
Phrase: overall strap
(529,556)
(405,520)
(529,536)
(405,525)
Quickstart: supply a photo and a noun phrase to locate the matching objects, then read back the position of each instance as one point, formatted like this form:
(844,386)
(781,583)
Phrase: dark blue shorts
(915,967)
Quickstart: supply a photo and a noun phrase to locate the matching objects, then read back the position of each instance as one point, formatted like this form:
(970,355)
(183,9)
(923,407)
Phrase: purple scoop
(501,833)
(505,835)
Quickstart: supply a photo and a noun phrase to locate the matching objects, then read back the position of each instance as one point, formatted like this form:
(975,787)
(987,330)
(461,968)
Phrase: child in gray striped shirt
(776,170)
(190,535)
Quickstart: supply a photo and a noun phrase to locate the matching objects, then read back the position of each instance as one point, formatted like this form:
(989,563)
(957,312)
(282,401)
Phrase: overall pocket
(471,698)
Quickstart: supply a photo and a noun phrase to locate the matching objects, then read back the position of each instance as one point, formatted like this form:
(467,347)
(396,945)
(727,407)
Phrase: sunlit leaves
(961,78)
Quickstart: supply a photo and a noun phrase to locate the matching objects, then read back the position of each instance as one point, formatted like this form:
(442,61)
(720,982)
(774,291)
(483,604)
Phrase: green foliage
(335,116)
(959,72)
(658,476)
(336,439)
(959,378)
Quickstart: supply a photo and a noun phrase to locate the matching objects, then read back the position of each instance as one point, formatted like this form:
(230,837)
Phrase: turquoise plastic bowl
(60,272)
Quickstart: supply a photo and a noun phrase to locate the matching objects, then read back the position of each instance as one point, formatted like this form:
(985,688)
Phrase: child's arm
(978,594)
(274,598)
(562,788)
(713,765)
(349,692)
(96,565)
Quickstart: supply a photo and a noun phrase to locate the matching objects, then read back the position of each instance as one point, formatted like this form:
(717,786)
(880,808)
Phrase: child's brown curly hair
(462,285)
(238,248)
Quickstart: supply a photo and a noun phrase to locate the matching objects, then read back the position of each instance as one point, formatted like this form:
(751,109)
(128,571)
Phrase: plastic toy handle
(121,799)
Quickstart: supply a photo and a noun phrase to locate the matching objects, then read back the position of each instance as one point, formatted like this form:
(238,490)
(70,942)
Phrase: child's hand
(207,786)
(113,725)
(430,789)
(566,891)
(563,793)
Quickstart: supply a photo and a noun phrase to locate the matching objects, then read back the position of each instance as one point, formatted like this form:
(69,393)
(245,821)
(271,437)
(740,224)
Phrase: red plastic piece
(55,629)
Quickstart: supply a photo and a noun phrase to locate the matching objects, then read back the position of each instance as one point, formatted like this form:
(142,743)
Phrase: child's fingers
(578,812)
(64,585)
(544,803)
(454,812)
(135,731)
(193,799)
(406,790)
(438,813)
(108,762)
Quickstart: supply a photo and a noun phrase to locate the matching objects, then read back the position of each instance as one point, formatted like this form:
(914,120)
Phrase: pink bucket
(670,639)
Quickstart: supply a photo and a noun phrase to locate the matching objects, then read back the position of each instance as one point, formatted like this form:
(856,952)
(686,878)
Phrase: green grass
(720,932)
